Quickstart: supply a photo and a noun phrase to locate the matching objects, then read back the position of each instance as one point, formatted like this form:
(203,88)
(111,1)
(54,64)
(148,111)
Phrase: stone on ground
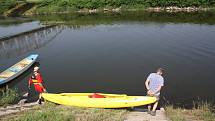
(144,116)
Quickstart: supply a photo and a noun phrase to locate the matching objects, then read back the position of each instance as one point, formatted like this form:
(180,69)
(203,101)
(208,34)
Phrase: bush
(8,97)
(201,111)
(92,4)
(6,5)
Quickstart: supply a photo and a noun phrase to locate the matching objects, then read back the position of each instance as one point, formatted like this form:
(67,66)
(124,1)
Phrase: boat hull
(110,100)
(17,69)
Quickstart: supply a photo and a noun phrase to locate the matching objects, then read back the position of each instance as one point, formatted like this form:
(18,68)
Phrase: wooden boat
(17,69)
(98,100)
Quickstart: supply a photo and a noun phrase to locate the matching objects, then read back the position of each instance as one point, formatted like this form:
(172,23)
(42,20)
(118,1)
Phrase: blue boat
(17,69)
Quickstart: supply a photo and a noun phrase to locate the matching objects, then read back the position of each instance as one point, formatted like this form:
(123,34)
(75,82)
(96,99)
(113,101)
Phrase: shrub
(92,4)
(6,5)
(8,97)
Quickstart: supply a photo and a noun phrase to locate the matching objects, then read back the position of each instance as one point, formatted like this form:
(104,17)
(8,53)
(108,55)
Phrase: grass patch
(92,4)
(52,6)
(8,97)
(50,112)
(48,6)
(6,5)
(203,111)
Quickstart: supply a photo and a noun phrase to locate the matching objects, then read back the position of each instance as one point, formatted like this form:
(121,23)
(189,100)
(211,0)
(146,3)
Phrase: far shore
(171,9)
(32,7)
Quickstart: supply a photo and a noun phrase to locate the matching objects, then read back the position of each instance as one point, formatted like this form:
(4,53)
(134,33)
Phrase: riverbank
(203,112)
(50,111)
(49,6)
(32,7)
(8,97)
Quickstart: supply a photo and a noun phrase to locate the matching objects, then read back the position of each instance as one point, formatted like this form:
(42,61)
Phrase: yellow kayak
(98,100)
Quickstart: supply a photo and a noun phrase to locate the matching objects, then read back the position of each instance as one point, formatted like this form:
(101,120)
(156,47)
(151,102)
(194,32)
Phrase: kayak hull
(110,100)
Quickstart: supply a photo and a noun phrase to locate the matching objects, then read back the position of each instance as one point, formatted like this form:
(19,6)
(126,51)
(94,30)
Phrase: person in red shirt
(36,80)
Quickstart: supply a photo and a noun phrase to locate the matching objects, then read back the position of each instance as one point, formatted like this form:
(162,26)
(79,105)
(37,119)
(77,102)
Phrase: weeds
(93,4)
(6,5)
(201,111)
(50,112)
(8,97)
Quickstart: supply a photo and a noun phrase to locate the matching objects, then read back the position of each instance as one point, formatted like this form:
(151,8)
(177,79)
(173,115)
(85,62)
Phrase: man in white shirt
(154,83)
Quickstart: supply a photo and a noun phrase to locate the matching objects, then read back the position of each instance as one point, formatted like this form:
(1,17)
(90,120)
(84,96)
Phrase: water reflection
(27,42)
(13,21)
(82,19)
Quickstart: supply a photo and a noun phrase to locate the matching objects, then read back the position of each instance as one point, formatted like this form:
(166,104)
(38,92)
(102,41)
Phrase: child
(37,80)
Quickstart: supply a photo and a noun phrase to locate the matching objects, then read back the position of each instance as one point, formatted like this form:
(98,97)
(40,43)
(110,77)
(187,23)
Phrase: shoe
(153,113)
(40,101)
(148,112)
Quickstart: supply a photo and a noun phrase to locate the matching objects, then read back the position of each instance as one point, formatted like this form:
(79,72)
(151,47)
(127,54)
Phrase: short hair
(160,70)
(36,66)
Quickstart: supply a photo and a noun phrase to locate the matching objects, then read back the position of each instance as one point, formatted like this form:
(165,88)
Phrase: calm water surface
(114,53)
(7,30)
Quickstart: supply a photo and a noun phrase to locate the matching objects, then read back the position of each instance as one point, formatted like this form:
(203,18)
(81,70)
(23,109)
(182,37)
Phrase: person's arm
(147,84)
(29,83)
(148,81)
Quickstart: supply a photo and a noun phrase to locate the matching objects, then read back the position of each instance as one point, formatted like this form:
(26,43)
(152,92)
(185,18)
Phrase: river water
(115,52)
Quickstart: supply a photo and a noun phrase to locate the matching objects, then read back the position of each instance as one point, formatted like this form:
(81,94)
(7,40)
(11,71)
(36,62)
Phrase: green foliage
(92,4)
(50,112)
(203,112)
(175,114)
(6,5)
(8,97)
(181,3)
(62,5)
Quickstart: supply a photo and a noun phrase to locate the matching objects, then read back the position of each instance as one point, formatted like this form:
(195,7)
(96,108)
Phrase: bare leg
(44,90)
(40,96)
(155,106)
(149,107)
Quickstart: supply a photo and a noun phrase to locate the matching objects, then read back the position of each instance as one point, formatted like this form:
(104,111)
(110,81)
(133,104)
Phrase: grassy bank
(69,5)
(50,112)
(52,6)
(203,112)
(93,4)
(8,97)
(5,5)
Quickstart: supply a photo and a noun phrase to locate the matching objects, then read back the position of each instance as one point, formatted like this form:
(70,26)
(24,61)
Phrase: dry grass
(52,112)
(203,112)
